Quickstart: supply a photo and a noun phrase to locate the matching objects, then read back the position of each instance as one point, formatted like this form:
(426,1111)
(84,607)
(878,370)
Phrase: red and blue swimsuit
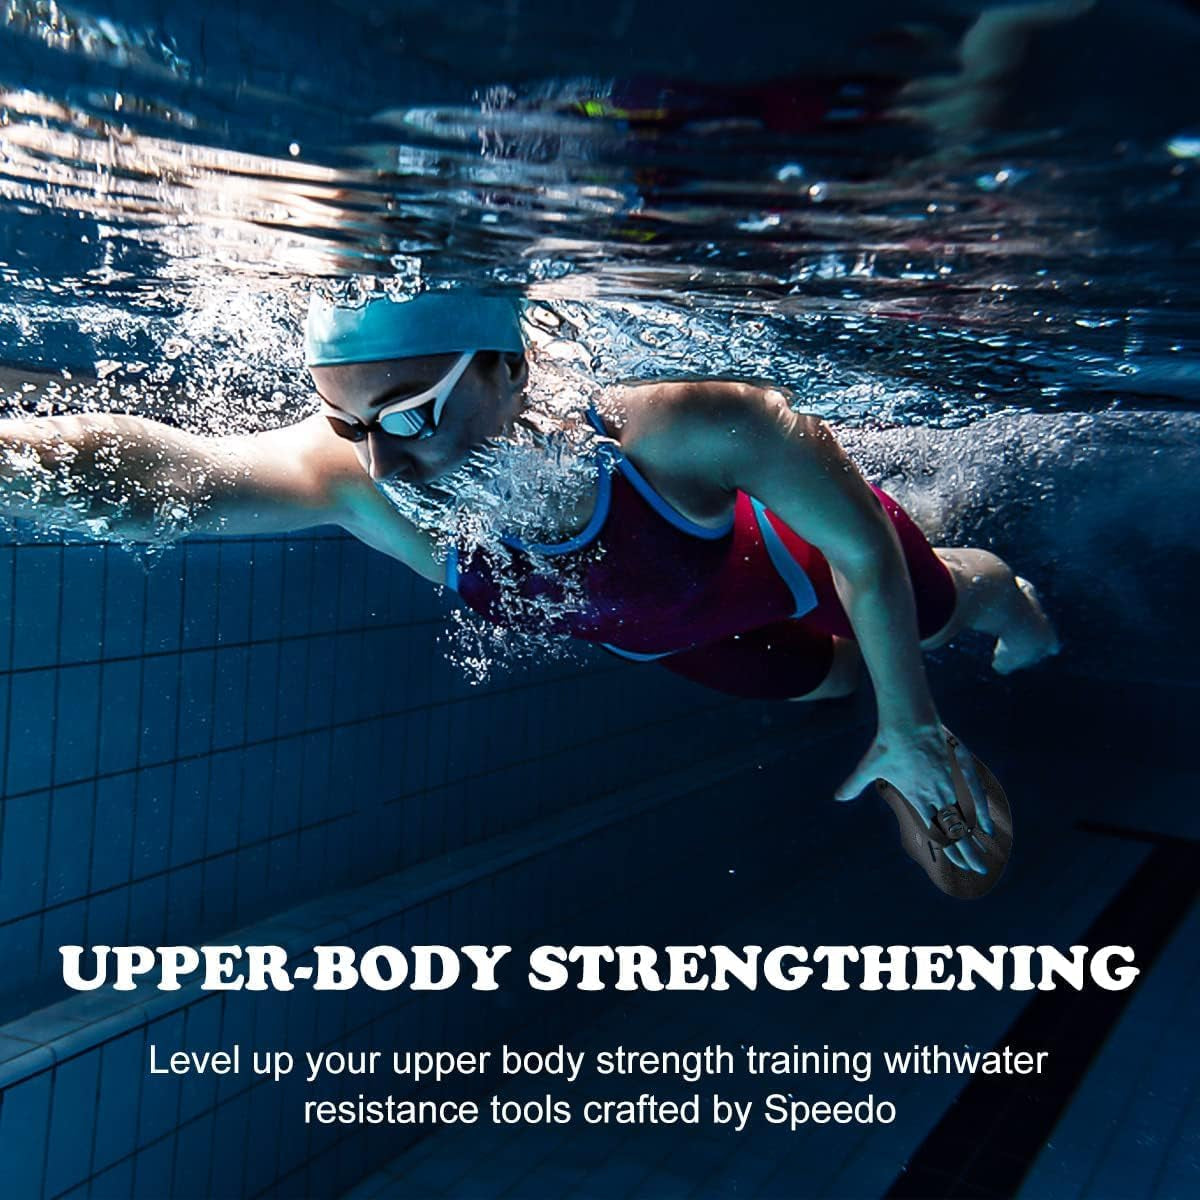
(749,608)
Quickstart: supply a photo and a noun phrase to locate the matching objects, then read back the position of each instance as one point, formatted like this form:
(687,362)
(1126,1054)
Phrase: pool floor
(1104,848)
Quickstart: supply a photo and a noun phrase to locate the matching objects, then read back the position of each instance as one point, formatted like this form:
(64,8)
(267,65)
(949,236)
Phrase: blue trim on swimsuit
(452,568)
(656,502)
(635,656)
(587,533)
(790,571)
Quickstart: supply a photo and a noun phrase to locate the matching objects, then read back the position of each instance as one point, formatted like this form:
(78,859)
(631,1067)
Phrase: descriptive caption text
(809,1086)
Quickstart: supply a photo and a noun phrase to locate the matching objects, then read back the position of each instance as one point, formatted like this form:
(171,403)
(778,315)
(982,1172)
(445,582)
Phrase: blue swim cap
(431,323)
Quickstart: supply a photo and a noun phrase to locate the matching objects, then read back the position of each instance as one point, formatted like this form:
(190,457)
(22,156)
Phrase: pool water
(966,238)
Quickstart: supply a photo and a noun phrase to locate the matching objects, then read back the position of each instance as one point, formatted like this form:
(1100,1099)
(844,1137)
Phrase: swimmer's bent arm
(132,477)
(749,438)
(792,462)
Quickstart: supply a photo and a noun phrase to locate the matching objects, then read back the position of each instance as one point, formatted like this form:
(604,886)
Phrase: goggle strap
(411,416)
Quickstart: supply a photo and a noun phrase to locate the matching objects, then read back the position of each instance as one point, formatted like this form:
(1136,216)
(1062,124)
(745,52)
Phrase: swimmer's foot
(1031,637)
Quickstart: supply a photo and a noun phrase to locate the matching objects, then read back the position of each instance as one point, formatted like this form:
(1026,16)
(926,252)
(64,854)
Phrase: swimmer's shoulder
(682,424)
(306,450)
(352,499)
(690,403)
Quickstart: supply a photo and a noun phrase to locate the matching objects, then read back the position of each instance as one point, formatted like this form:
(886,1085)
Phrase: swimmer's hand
(916,762)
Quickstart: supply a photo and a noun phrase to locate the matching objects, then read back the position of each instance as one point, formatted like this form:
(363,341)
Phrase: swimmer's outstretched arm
(130,477)
(751,439)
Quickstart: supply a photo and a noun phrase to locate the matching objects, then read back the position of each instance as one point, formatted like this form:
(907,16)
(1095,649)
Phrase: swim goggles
(411,417)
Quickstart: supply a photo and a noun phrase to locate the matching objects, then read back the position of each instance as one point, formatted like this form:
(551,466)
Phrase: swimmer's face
(482,405)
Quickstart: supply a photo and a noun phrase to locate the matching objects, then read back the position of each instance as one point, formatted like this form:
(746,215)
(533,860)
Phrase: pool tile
(35,608)
(74,1097)
(24,1129)
(161,630)
(77,724)
(31,722)
(71,834)
(81,629)
(197,675)
(201,597)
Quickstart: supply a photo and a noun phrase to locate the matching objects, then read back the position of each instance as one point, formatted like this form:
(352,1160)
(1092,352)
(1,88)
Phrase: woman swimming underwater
(725,535)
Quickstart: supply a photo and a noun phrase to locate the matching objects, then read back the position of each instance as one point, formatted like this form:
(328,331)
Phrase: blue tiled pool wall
(252,722)
(233,1137)
(1074,705)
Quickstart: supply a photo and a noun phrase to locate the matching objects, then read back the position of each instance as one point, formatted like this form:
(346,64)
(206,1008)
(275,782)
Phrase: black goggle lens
(344,429)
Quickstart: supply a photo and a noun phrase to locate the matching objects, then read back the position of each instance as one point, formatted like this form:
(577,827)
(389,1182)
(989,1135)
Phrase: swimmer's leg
(844,675)
(990,598)
(784,660)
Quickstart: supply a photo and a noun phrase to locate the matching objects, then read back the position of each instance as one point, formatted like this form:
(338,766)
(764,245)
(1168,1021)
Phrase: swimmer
(741,548)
